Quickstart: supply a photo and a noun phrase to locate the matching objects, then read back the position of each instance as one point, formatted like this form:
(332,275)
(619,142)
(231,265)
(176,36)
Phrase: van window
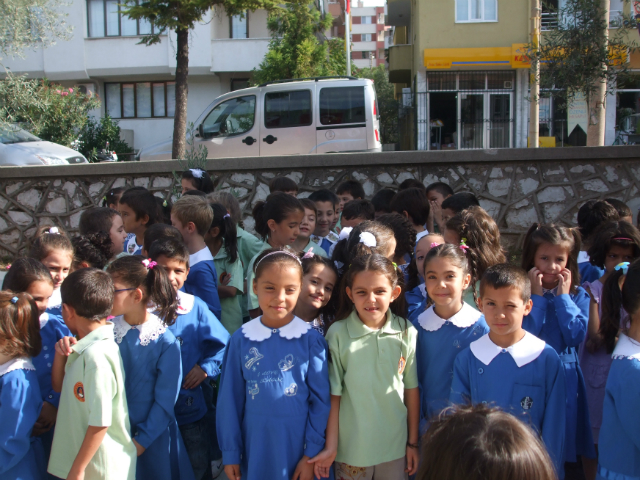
(340,105)
(287,109)
(233,117)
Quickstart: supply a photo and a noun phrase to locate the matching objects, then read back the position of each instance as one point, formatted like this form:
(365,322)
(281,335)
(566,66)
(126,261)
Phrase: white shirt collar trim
(523,352)
(423,233)
(200,256)
(149,330)
(583,257)
(55,300)
(185,302)
(423,289)
(18,363)
(626,348)
(466,317)
(256,331)
(44,319)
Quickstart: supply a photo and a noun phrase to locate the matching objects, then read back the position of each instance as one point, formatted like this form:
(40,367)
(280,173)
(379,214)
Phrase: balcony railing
(549,20)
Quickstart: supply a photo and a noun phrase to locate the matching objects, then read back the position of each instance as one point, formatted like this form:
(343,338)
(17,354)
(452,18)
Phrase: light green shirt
(317,249)
(248,247)
(467,296)
(231,309)
(93,395)
(252,299)
(365,370)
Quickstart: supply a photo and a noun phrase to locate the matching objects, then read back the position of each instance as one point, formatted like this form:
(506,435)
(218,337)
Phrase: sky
(372,3)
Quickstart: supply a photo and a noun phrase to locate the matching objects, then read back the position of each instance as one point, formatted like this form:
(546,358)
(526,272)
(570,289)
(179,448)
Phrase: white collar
(256,331)
(523,352)
(583,257)
(149,330)
(18,363)
(55,300)
(423,233)
(626,348)
(44,319)
(423,289)
(200,256)
(185,302)
(466,317)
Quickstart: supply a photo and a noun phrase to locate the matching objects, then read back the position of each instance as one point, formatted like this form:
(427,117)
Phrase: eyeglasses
(123,290)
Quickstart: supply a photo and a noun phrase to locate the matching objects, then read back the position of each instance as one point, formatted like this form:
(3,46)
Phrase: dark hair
(328,312)
(554,235)
(413,201)
(195,193)
(324,195)
(228,232)
(43,243)
(460,201)
(96,219)
(403,232)
(382,200)
(228,201)
(19,325)
(89,291)
(309,205)
(621,207)
(159,231)
(450,251)
(155,281)
(164,206)
(23,273)
(112,196)
(142,202)
(94,249)
(351,247)
(411,183)
(277,207)
(507,276)
(613,298)
(204,183)
(480,442)
(282,184)
(353,187)
(592,215)
(273,256)
(610,234)
(359,209)
(170,248)
(440,187)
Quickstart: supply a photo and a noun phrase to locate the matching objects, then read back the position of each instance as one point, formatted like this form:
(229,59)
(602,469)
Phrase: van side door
(342,123)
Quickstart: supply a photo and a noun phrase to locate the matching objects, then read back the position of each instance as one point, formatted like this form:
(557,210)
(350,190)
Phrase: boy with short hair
(382,201)
(456,203)
(326,203)
(93,434)
(357,211)
(159,231)
(139,210)
(412,204)
(511,368)
(192,216)
(283,184)
(347,191)
(437,193)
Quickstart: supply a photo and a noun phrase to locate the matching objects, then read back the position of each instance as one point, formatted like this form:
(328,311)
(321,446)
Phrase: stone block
(610,173)
(20,218)
(240,192)
(70,188)
(261,194)
(250,225)
(10,238)
(77,203)
(369,188)
(243,178)
(3,202)
(522,218)
(522,203)
(582,169)
(361,177)
(269,175)
(404,176)
(295,176)
(120,182)
(551,194)
(57,183)
(141,182)
(29,198)
(162,182)
(499,187)
(595,185)
(13,187)
(74,220)
(551,212)
(476,183)
(429,179)
(3,225)
(491,207)
(385,178)
(96,188)
(454,175)
(57,205)
(496,173)
(302,195)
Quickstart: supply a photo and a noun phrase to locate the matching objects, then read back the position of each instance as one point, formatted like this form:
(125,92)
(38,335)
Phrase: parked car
(19,148)
(288,117)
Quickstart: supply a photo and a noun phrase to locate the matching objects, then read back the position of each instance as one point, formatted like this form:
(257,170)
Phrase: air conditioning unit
(508,85)
(87,88)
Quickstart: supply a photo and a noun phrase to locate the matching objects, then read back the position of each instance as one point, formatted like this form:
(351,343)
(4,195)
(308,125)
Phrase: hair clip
(226,215)
(197,172)
(8,266)
(308,254)
(104,198)
(435,244)
(622,238)
(395,265)
(54,230)
(285,252)
(149,263)
(624,266)
(14,300)
(368,240)
(345,232)
(463,245)
(164,204)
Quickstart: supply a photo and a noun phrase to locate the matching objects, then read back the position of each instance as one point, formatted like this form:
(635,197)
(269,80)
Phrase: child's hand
(535,275)
(225,278)
(322,462)
(413,458)
(139,448)
(436,213)
(194,378)
(232,472)
(304,470)
(63,346)
(46,420)
(75,475)
(564,282)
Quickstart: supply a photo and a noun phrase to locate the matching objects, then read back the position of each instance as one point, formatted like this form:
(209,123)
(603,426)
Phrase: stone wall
(517,187)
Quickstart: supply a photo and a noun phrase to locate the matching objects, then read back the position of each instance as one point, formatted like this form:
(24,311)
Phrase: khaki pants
(393,470)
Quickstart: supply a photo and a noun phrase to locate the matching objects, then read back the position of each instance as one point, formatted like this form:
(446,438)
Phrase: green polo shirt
(231,316)
(317,249)
(365,371)
(93,395)
(248,247)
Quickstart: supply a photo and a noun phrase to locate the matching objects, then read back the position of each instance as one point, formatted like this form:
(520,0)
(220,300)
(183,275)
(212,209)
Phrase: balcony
(237,54)
(549,20)
(399,13)
(400,63)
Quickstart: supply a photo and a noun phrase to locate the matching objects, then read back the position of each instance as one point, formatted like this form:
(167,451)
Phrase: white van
(288,117)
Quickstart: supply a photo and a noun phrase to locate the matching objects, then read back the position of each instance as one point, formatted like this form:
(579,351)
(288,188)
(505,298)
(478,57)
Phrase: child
(165,206)
(54,249)
(223,244)
(456,203)
(357,211)
(192,216)
(100,219)
(304,243)
(412,204)
(447,327)
(624,212)
(139,210)
(411,183)
(382,201)
(93,250)
(202,342)
(159,231)
(591,216)
(319,282)
(478,443)
(559,317)
(273,404)
(112,198)
(326,204)
(375,404)
(196,179)
(92,439)
(151,358)
(347,191)
(437,193)
(510,367)
(405,237)
(416,293)
(283,184)
(278,223)
(20,399)
(367,238)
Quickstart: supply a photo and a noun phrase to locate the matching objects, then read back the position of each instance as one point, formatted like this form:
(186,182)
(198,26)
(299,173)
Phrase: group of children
(353,339)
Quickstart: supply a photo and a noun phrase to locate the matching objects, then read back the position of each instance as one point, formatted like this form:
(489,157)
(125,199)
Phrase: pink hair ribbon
(149,263)
(463,245)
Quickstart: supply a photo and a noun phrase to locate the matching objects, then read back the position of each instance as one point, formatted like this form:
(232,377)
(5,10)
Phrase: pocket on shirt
(527,403)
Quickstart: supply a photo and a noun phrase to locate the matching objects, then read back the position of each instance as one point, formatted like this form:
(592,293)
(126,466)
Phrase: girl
(112,198)
(375,404)
(100,219)
(139,210)
(151,359)
(273,404)
(364,239)
(222,240)
(54,249)
(304,243)
(405,237)
(620,432)
(20,399)
(93,250)
(559,317)
(319,281)
(278,223)
(196,179)
(416,293)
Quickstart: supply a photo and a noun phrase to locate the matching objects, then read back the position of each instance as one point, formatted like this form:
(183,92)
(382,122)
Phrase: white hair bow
(54,230)
(368,239)
(344,233)
(197,173)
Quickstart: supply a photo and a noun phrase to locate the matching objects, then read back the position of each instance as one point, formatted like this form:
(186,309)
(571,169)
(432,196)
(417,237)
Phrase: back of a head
(440,187)
(460,201)
(19,325)
(160,231)
(142,202)
(505,275)
(195,193)
(23,272)
(230,202)
(278,206)
(403,232)
(352,187)
(592,217)
(96,219)
(356,245)
(382,200)
(93,249)
(324,195)
(359,209)
(412,201)
(47,240)
(282,184)
(411,183)
(200,179)
(622,208)
(194,209)
(89,292)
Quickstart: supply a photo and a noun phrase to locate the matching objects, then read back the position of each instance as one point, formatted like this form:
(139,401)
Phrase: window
(365,20)
(287,109)
(105,19)
(476,10)
(233,117)
(365,37)
(340,105)
(141,99)
(239,83)
(239,26)
(381,18)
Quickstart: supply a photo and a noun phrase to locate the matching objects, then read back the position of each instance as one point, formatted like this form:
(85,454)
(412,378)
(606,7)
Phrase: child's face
(131,223)
(285,232)
(117,234)
(59,264)
(617,255)
(326,217)
(450,236)
(371,294)
(176,269)
(344,198)
(351,222)
(186,233)
(423,247)
(124,298)
(308,224)
(504,309)
(436,197)
(551,260)
(41,291)
(277,288)
(627,219)
(445,282)
(447,214)
(187,185)
(317,286)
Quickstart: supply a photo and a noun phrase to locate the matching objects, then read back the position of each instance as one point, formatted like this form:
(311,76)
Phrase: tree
(95,135)
(295,50)
(181,16)
(387,103)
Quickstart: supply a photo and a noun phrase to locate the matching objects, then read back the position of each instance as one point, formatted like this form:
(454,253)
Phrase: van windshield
(13,134)
(232,117)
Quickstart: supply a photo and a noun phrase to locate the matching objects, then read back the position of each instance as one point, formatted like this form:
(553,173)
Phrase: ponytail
(277,207)
(611,300)
(222,219)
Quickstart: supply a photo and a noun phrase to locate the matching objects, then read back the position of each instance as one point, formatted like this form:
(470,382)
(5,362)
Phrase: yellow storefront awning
(440,58)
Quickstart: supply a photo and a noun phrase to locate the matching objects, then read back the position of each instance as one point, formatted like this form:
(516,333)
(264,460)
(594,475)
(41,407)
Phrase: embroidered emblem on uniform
(131,247)
(291,390)
(78,391)
(316,239)
(332,237)
(526,403)
(179,340)
(401,364)
(189,401)
(253,391)
(256,356)
(286,364)
(456,343)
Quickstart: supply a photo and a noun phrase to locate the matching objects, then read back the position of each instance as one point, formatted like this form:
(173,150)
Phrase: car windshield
(12,134)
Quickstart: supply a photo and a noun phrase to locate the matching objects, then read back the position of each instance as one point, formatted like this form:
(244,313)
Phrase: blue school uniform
(525,379)
(588,272)
(274,398)
(439,342)
(20,404)
(202,280)
(54,305)
(416,303)
(327,243)
(619,447)
(131,245)
(153,375)
(561,321)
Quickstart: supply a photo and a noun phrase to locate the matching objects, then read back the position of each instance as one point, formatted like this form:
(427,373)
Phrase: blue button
(480,371)
(504,350)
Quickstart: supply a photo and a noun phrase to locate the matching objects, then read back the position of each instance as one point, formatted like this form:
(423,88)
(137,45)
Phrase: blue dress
(20,404)
(525,379)
(153,375)
(416,303)
(439,342)
(202,340)
(54,306)
(561,321)
(619,447)
(202,280)
(274,399)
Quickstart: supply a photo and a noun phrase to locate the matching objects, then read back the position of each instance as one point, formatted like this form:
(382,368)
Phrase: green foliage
(95,135)
(387,103)
(193,158)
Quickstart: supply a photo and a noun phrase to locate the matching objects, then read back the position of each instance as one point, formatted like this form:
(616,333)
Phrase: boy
(457,203)
(437,193)
(382,201)
(283,184)
(412,204)
(357,211)
(139,210)
(511,368)
(347,191)
(203,340)
(411,183)
(303,243)
(159,231)
(92,438)
(192,216)
(326,204)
